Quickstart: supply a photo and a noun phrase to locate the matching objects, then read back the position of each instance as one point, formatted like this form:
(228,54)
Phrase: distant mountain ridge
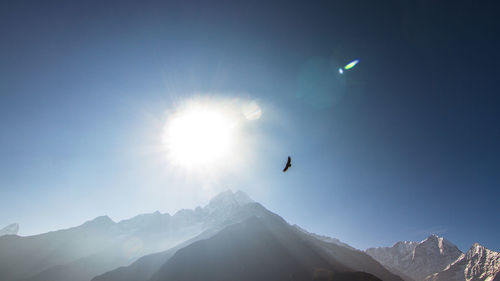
(101,244)
(156,246)
(437,259)
(324,238)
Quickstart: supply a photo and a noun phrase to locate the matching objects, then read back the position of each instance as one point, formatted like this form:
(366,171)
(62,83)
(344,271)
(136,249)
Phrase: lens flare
(351,64)
(252,111)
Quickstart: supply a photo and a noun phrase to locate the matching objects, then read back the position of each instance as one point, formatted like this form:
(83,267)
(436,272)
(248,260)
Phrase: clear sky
(405,144)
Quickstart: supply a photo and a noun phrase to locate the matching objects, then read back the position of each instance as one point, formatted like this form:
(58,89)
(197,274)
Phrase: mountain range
(248,243)
(437,259)
(231,238)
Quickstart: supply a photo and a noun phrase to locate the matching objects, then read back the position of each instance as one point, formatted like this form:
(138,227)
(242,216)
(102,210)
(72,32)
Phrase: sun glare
(199,135)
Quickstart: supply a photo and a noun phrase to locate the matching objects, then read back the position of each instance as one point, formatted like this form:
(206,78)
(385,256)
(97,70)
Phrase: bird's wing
(288,164)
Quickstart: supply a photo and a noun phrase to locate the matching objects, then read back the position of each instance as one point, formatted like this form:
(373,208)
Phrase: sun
(199,135)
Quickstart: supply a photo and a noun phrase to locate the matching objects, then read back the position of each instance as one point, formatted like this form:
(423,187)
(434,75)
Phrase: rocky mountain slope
(478,264)
(417,260)
(436,259)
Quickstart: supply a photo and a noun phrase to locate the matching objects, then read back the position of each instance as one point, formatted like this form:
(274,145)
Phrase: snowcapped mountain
(254,244)
(415,261)
(227,200)
(11,229)
(100,245)
(437,259)
(146,246)
(478,264)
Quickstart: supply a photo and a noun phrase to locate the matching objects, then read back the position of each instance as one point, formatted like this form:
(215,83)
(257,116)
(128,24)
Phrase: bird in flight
(288,164)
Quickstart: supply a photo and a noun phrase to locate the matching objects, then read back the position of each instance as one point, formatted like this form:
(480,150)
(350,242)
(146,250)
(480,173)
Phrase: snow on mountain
(11,229)
(99,245)
(478,264)
(226,201)
(415,261)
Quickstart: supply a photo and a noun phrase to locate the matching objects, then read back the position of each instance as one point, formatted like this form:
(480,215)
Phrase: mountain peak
(101,220)
(11,229)
(477,245)
(229,198)
(418,260)
(433,237)
(477,249)
(404,244)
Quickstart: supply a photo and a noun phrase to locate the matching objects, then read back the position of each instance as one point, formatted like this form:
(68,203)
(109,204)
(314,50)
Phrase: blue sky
(403,145)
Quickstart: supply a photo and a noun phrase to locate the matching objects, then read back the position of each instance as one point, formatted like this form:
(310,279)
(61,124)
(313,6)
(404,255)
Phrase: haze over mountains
(231,238)
(248,244)
(99,245)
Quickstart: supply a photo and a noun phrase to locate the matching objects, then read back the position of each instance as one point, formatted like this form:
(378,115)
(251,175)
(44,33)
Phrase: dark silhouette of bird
(288,164)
